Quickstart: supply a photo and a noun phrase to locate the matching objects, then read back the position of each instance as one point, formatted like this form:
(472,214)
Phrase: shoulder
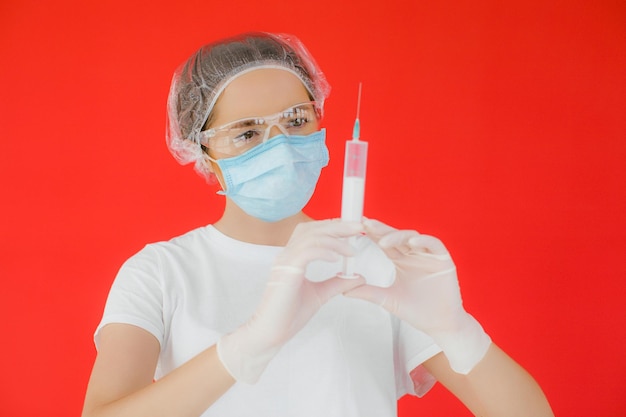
(193,240)
(190,239)
(155,259)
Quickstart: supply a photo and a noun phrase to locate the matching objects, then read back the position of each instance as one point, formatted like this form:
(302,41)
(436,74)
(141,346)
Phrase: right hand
(289,300)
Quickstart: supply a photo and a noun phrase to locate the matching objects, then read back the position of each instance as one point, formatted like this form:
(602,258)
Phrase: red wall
(499,128)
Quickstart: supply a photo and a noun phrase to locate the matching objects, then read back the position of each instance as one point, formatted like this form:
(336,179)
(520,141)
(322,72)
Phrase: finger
(334,286)
(376,229)
(376,295)
(323,248)
(394,243)
(398,239)
(429,246)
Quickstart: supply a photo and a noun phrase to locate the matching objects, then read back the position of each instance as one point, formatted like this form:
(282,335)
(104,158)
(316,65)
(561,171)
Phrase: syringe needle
(356,131)
(358,102)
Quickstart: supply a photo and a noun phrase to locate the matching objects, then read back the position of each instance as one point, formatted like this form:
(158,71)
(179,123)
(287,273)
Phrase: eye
(298,117)
(299,121)
(245,137)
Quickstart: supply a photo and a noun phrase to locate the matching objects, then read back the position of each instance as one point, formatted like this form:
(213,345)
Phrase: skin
(121,382)
(255,94)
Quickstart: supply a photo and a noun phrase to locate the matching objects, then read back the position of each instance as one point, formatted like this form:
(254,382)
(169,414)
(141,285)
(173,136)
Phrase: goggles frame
(232,138)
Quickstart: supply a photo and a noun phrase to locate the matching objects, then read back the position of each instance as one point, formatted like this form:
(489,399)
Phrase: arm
(426,295)
(122,378)
(496,386)
(121,381)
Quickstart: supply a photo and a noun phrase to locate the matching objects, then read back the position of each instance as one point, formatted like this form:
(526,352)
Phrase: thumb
(376,295)
(334,286)
(376,229)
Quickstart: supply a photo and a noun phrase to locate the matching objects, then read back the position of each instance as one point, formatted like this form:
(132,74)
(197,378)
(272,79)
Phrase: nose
(273,130)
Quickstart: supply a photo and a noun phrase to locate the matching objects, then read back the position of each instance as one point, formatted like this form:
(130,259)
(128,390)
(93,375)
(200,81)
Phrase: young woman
(248,316)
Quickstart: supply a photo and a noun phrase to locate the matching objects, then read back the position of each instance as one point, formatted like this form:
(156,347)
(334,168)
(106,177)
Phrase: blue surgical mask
(275,179)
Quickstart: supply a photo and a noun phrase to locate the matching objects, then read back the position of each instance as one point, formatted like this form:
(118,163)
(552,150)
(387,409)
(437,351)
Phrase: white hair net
(198,83)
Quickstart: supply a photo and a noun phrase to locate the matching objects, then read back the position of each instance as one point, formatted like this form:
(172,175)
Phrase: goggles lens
(237,137)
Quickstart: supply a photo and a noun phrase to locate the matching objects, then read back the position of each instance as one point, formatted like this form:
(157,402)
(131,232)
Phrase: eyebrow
(301,108)
(252,121)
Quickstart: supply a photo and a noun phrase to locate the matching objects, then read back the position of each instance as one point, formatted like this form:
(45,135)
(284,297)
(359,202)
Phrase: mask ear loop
(208,160)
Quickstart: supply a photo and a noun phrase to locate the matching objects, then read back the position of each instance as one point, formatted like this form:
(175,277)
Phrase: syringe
(353,193)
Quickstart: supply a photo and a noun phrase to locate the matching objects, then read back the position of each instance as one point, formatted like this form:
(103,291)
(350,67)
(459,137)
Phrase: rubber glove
(289,300)
(426,294)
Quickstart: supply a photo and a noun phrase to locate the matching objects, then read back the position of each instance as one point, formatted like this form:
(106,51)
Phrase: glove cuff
(465,346)
(243,363)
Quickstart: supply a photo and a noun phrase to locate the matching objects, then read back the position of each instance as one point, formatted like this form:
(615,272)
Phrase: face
(260,92)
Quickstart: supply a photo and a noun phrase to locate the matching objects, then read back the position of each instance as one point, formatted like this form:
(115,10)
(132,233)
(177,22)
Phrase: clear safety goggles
(237,137)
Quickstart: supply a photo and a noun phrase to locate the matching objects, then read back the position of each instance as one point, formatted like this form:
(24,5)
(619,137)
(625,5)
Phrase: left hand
(426,293)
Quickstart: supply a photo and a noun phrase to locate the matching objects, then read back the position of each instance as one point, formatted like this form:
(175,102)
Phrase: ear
(210,170)
(207,173)
(207,164)
(212,178)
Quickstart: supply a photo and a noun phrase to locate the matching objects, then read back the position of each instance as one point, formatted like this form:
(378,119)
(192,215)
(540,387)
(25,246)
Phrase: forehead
(257,93)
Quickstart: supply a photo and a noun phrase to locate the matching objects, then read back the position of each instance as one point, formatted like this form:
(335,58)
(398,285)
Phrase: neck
(235,223)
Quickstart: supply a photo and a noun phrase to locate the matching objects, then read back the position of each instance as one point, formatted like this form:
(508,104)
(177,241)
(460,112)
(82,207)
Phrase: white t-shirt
(351,359)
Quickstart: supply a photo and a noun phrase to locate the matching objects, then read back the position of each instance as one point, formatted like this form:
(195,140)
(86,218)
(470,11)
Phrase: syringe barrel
(356,159)
(354,181)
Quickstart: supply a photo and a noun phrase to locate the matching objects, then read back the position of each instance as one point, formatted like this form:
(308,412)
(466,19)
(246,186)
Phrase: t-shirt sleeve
(136,296)
(412,349)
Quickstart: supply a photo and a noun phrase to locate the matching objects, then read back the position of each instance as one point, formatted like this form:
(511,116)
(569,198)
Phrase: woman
(247,316)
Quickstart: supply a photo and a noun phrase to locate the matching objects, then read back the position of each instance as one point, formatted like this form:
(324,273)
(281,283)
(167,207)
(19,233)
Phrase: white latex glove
(370,262)
(426,294)
(289,300)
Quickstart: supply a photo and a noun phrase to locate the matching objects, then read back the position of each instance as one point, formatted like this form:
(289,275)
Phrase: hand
(426,294)
(289,300)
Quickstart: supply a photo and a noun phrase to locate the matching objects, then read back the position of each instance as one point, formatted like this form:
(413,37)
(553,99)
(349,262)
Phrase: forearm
(496,386)
(186,392)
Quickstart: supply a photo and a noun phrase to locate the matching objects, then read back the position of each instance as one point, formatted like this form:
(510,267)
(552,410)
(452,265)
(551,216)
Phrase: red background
(498,127)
